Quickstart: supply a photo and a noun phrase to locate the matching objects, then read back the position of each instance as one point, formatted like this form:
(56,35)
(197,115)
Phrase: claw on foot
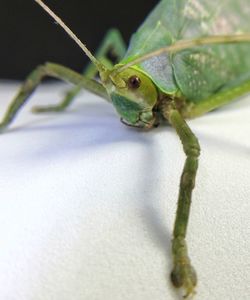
(184,276)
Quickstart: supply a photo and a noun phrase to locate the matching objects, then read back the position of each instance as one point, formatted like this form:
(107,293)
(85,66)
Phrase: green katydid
(187,58)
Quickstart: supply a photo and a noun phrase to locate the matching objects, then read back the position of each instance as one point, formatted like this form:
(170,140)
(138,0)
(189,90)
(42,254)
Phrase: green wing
(200,72)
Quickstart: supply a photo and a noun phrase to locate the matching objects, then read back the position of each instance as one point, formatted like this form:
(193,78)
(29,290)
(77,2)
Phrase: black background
(29,36)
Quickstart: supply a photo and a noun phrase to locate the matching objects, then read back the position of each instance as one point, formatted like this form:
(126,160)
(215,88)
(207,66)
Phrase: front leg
(113,43)
(183,274)
(53,70)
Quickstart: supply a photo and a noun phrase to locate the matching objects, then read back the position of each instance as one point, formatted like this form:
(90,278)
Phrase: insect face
(134,95)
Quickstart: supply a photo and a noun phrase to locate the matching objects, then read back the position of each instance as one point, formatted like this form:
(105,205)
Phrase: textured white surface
(87,204)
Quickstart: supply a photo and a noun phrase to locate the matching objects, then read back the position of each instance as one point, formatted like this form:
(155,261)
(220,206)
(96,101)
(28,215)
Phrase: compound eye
(134,82)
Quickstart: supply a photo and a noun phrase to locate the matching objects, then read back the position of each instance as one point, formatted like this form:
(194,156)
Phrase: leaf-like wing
(160,29)
(201,71)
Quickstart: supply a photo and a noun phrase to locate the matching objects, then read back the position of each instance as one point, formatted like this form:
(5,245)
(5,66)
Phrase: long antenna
(187,44)
(98,64)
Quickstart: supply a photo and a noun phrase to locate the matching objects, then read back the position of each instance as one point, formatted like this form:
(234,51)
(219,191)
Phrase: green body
(171,87)
(199,79)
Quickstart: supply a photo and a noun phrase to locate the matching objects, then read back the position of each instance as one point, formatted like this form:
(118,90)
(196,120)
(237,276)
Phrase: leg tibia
(22,96)
(35,78)
(183,274)
(62,105)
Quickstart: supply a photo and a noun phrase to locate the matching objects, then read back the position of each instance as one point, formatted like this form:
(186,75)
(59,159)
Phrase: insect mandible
(186,59)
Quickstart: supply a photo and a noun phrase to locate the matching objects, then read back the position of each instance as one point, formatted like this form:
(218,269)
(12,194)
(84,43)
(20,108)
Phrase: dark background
(29,36)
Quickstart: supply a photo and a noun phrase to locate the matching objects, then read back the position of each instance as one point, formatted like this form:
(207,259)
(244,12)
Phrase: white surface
(88,204)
